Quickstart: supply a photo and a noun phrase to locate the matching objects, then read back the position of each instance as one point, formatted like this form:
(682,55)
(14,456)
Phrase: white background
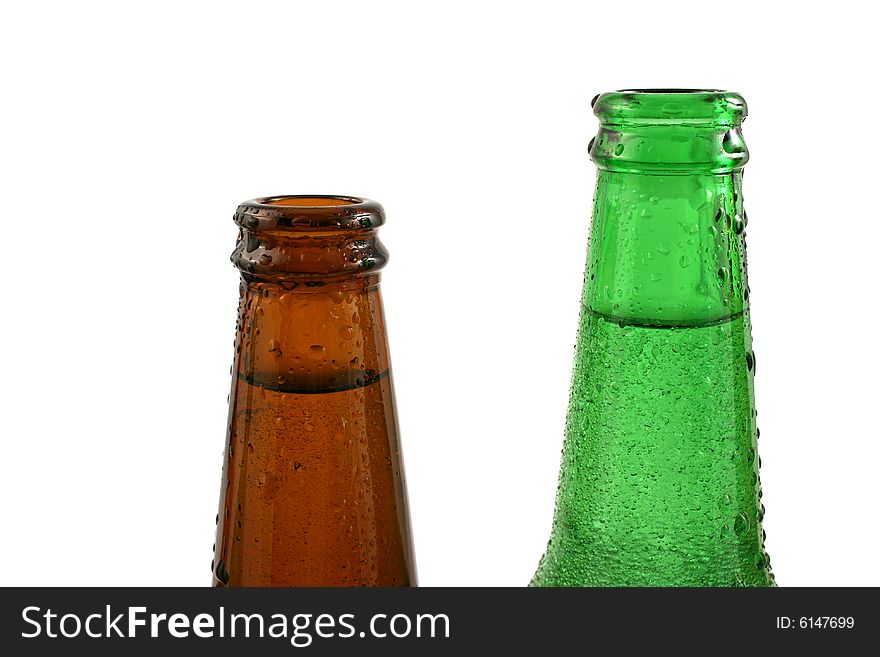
(131,131)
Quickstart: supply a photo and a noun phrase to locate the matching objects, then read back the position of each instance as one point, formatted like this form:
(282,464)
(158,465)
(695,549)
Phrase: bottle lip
(669,91)
(670,106)
(309,211)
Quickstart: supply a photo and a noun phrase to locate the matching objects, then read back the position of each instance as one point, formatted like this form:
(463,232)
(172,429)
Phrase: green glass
(659,478)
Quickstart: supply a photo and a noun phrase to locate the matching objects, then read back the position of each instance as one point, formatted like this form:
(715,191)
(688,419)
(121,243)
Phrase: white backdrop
(130,132)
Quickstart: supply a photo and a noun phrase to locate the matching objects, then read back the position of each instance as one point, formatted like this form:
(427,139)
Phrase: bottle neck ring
(298,238)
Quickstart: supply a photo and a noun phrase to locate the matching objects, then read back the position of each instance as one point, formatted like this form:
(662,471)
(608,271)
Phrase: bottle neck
(667,249)
(310,316)
(667,240)
(312,337)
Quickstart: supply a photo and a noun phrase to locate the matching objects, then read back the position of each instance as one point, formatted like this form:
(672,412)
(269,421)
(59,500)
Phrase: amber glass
(313,490)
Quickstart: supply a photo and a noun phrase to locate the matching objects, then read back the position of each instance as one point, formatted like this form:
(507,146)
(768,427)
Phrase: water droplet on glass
(741,524)
(732,143)
(265,259)
(220,572)
(722,273)
(346,332)
(316,351)
(618,150)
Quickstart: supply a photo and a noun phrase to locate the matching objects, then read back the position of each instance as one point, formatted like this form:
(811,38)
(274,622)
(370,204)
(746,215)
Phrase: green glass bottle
(659,478)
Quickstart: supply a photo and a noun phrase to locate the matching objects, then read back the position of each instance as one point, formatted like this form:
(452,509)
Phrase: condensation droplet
(732,143)
(741,524)
(220,572)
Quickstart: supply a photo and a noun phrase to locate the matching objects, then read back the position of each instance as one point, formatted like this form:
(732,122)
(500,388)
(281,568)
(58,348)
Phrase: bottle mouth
(670,106)
(296,201)
(309,211)
(669,91)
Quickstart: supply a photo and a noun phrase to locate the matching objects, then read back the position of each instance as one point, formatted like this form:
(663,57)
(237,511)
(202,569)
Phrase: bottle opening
(670,106)
(310,201)
(309,211)
(669,91)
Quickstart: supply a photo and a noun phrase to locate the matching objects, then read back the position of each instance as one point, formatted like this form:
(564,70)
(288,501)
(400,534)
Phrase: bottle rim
(309,211)
(670,106)
(669,90)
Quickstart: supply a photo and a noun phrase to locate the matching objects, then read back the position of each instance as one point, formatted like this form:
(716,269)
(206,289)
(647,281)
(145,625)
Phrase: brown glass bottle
(313,490)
